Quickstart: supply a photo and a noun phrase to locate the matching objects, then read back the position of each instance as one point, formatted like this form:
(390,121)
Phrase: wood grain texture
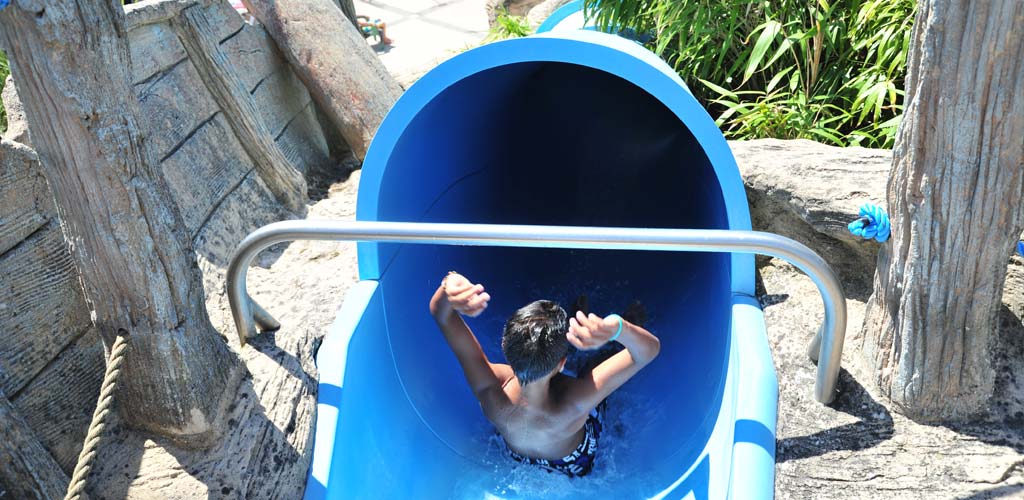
(955,199)
(329,55)
(58,403)
(303,143)
(220,77)
(42,309)
(153,43)
(204,170)
(26,469)
(139,274)
(255,56)
(25,202)
(176,106)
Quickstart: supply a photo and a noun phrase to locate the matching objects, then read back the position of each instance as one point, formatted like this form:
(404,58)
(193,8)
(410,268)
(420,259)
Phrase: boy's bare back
(543,416)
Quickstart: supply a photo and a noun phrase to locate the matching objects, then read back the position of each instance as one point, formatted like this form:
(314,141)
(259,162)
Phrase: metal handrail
(248,314)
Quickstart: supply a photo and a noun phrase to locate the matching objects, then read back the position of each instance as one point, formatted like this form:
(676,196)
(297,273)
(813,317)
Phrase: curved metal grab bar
(248,314)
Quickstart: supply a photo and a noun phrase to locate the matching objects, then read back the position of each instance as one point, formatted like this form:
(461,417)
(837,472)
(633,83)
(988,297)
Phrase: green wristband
(619,332)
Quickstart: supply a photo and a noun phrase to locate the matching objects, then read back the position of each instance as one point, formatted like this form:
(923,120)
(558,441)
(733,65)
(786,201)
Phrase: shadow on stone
(1003,425)
(772,299)
(874,426)
(266,343)
(264,450)
(1004,491)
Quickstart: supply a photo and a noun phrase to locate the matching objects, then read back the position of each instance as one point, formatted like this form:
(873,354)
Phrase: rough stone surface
(858,447)
(541,11)
(17,127)
(810,192)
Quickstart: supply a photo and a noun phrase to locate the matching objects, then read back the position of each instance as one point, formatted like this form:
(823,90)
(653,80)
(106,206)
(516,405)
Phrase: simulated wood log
(220,77)
(955,198)
(138,270)
(26,469)
(349,9)
(25,204)
(338,67)
(59,402)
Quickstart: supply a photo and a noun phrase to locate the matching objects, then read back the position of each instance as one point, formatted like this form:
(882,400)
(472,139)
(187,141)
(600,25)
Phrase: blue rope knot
(873,223)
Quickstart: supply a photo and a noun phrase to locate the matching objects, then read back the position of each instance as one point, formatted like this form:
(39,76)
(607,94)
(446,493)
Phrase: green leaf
(776,79)
(719,90)
(769,31)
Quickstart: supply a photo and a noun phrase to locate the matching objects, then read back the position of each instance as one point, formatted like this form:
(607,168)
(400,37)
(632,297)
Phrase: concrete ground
(424,32)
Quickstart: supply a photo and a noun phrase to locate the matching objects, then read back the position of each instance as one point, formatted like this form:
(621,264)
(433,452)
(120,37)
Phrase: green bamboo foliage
(827,70)
(5,70)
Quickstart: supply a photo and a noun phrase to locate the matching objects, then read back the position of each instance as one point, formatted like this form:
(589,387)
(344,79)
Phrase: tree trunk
(338,67)
(138,270)
(954,194)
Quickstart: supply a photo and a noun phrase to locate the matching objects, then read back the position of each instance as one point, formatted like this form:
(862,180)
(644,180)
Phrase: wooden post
(338,67)
(955,198)
(138,269)
(220,77)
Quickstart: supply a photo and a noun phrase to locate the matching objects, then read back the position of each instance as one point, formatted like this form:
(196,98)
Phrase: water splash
(508,479)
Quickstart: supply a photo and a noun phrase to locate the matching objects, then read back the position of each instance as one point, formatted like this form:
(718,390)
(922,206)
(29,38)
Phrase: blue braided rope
(873,223)
(4,3)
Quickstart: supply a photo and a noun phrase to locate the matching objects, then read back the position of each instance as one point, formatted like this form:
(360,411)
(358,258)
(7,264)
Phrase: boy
(546,418)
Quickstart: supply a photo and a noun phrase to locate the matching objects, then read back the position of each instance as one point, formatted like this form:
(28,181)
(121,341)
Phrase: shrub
(828,70)
(509,26)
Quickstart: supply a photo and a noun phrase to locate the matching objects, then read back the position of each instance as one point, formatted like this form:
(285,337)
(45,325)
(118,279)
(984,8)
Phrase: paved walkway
(425,32)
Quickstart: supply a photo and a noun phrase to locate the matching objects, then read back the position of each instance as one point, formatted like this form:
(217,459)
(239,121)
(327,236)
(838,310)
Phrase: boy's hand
(591,331)
(465,297)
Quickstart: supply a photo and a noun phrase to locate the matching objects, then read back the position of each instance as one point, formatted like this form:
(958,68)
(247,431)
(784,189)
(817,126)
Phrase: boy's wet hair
(534,341)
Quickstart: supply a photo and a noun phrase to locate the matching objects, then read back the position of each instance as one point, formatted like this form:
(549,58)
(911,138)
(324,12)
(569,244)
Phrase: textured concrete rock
(809,192)
(17,127)
(543,10)
(859,447)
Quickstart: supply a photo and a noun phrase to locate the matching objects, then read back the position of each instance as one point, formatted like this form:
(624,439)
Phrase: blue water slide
(569,128)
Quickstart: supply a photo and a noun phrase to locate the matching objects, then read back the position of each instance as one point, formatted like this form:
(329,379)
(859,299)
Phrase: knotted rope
(873,223)
(92,439)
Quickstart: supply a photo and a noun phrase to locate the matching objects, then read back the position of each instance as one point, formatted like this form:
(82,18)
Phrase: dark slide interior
(559,144)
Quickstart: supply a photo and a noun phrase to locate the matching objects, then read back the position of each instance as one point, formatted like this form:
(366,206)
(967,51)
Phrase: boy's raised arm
(590,332)
(457,295)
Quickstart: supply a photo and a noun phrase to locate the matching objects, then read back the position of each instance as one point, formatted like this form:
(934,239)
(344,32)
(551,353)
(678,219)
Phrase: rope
(92,438)
(873,223)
